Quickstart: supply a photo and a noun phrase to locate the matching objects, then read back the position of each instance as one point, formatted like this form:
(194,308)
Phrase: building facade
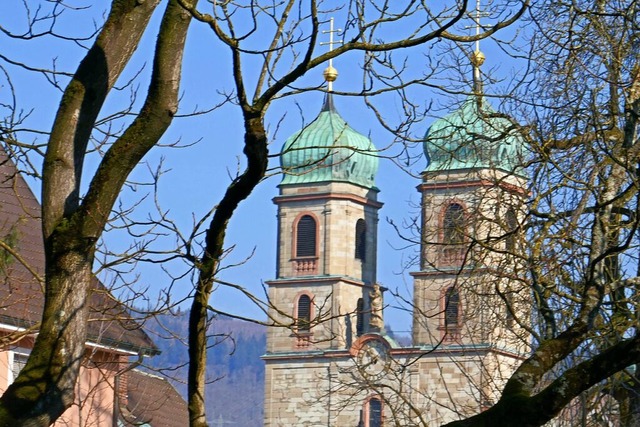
(332,363)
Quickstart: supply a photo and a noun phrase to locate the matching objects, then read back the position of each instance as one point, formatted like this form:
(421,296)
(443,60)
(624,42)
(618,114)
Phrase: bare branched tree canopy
(572,248)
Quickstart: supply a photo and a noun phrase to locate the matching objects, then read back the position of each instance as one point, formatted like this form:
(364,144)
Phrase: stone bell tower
(330,362)
(327,236)
(469,303)
(326,261)
(473,193)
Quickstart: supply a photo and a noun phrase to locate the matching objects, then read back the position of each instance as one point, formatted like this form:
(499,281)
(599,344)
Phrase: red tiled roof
(21,293)
(154,401)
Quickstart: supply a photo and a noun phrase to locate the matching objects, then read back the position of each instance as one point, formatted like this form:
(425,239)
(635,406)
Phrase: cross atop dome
(330,74)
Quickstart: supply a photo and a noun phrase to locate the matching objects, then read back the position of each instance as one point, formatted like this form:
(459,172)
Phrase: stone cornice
(453,271)
(314,280)
(422,352)
(327,196)
(472,183)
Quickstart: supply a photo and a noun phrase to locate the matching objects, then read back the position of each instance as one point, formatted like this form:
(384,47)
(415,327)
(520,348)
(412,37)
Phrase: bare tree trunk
(256,152)
(522,408)
(45,387)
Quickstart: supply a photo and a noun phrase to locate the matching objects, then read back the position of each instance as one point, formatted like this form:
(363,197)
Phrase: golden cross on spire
(330,74)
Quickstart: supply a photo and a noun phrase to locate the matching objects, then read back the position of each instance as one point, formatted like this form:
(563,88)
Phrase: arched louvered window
(361,240)
(374,412)
(451,307)
(303,314)
(306,237)
(454,224)
(512,227)
(360,317)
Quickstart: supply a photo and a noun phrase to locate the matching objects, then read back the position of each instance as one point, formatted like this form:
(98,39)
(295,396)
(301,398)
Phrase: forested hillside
(235,391)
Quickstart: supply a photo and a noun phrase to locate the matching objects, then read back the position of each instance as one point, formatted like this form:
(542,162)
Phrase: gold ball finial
(330,74)
(477,58)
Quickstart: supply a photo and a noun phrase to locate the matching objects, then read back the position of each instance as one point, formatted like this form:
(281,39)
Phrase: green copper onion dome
(329,150)
(473,137)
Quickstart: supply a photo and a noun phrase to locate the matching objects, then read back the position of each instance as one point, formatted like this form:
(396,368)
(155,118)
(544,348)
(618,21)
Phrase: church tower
(326,266)
(473,193)
(469,304)
(327,236)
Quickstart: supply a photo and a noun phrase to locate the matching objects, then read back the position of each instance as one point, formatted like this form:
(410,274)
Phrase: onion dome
(329,150)
(473,136)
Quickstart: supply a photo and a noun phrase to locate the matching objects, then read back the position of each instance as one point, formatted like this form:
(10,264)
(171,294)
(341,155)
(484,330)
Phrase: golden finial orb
(330,74)
(477,58)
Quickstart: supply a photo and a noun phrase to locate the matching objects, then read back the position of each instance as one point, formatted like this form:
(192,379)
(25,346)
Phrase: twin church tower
(332,363)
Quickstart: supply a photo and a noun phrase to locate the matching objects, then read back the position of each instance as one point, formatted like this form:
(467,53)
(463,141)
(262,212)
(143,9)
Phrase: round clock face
(373,358)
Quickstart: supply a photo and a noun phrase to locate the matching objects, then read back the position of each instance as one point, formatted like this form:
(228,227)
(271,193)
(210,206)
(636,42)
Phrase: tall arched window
(451,307)
(303,313)
(454,225)
(361,240)
(306,237)
(373,417)
(512,227)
